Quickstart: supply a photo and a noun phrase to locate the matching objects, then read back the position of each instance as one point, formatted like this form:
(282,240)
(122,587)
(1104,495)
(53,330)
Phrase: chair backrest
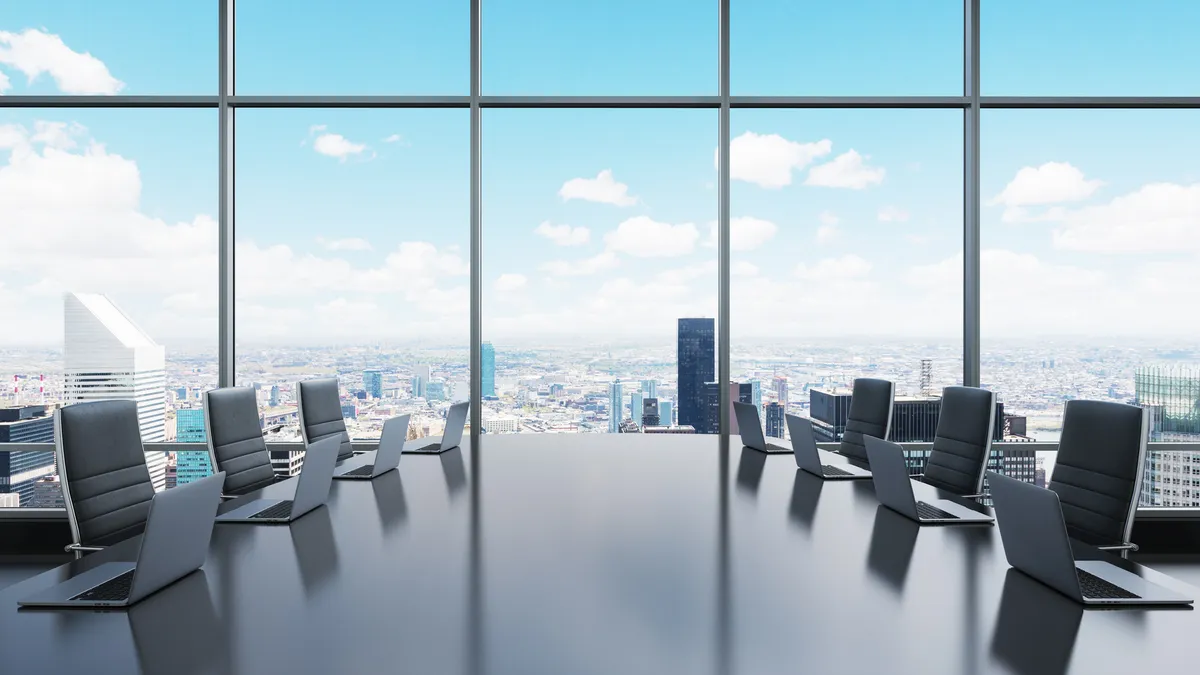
(1098,470)
(963,441)
(235,439)
(321,413)
(102,470)
(870,415)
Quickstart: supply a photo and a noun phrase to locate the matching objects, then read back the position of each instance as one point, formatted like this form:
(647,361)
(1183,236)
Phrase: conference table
(598,554)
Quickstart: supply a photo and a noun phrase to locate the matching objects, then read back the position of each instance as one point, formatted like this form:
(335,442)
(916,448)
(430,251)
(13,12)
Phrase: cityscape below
(601,388)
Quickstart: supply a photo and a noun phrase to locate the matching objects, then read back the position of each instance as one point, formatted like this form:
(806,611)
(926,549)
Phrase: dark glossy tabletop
(597,554)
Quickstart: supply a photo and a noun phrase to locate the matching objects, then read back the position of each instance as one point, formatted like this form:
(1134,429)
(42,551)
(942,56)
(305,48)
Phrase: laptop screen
(749,427)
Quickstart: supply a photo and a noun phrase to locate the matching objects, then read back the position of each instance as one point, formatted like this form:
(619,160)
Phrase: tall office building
(755,393)
(696,365)
(616,403)
(373,383)
(190,465)
(780,385)
(274,400)
(106,357)
(418,386)
(650,417)
(1171,478)
(775,420)
(189,425)
(650,388)
(47,493)
(635,407)
(437,390)
(487,367)
(666,412)
(20,471)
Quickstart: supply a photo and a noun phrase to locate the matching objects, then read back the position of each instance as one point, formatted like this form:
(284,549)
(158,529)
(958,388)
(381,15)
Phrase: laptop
(751,429)
(312,489)
(1035,540)
(456,419)
(174,544)
(387,457)
(808,455)
(894,489)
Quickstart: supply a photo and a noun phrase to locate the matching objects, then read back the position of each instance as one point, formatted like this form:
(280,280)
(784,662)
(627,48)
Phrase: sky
(352,225)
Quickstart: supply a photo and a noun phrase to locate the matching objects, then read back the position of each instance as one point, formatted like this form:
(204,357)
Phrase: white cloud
(645,238)
(828,218)
(5,84)
(394,138)
(893,214)
(1050,183)
(767,160)
(34,53)
(349,244)
(603,188)
(577,268)
(847,170)
(317,127)
(507,283)
(846,267)
(827,234)
(1157,217)
(564,235)
(337,145)
(741,268)
(746,233)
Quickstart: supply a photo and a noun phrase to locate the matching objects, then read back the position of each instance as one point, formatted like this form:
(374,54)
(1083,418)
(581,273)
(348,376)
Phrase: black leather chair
(102,470)
(870,415)
(963,441)
(321,413)
(235,440)
(1098,471)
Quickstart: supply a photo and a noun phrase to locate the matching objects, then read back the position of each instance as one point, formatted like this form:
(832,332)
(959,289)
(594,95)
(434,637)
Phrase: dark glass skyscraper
(696,363)
(487,363)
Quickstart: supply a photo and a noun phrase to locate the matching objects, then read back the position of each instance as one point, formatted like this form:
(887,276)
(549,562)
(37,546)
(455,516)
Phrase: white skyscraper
(106,357)
(615,403)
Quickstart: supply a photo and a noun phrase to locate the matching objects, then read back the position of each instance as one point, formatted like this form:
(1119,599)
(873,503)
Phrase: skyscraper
(437,390)
(274,400)
(20,471)
(1171,477)
(696,365)
(189,425)
(635,407)
(373,383)
(418,386)
(487,366)
(666,412)
(106,357)
(781,391)
(615,403)
(649,413)
(650,388)
(775,420)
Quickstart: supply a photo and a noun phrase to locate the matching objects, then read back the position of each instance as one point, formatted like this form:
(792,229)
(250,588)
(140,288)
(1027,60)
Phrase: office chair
(870,415)
(962,442)
(321,413)
(235,440)
(1098,471)
(102,470)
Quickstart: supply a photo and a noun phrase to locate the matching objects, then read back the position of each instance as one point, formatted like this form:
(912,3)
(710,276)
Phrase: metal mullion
(226,370)
(1090,102)
(476,199)
(971,190)
(59,101)
(350,101)
(600,101)
(918,102)
(723,373)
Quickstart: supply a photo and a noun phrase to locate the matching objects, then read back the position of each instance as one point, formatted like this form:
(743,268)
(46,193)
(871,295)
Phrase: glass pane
(846,253)
(599,266)
(110,257)
(356,47)
(851,47)
(1089,262)
(1096,47)
(352,261)
(104,48)
(596,47)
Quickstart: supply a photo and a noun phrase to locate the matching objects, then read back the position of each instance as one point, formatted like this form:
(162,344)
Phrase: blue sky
(597,223)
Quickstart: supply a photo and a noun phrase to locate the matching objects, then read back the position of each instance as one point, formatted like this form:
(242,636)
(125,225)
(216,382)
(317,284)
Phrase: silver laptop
(312,489)
(894,489)
(1036,543)
(808,455)
(387,457)
(174,544)
(751,429)
(456,419)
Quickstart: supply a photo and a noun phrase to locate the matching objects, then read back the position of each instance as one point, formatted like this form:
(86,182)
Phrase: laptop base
(435,450)
(772,450)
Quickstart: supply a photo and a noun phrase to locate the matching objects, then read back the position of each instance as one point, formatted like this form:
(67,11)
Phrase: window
(352,261)
(598,241)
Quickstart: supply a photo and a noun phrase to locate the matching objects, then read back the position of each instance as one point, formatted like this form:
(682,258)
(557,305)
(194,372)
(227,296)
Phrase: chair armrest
(229,496)
(917,476)
(70,548)
(978,496)
(1128,546)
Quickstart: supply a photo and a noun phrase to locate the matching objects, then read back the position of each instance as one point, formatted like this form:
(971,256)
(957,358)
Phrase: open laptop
(456,419)
(174,544)
(751,429)
(808,455)
(894,489)
(387,457)
(1036,542)
(312,489)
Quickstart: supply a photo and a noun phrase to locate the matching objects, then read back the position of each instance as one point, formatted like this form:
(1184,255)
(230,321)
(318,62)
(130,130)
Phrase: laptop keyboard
(830,470)
(362,471)
(276,512)
(429,448)
(1095,588)
(113,590)
(931,512)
